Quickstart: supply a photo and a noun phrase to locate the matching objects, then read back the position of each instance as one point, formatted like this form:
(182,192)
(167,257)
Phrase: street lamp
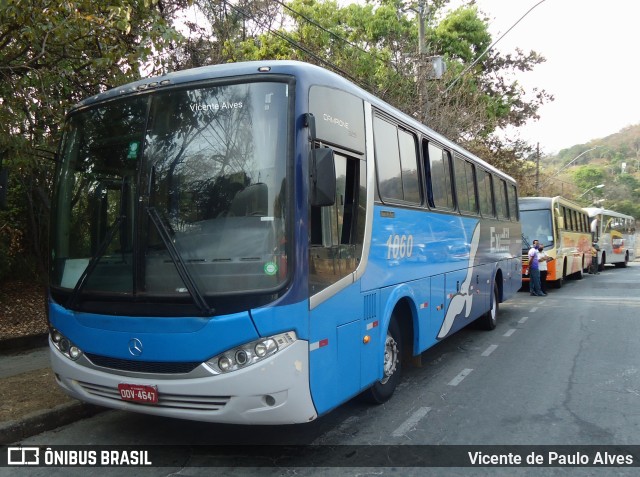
(599,186)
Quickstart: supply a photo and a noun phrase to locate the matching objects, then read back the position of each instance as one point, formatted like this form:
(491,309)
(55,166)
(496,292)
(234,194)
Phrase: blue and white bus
(260,242)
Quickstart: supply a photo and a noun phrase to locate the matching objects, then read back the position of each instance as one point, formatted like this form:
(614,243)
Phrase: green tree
(588,177)
(52,54)
(376,45)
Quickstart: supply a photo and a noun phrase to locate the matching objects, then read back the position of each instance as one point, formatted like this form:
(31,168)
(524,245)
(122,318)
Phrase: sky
(592,48)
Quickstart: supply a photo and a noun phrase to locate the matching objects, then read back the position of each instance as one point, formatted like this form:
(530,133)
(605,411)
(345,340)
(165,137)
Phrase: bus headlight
(64,345)
(250,353)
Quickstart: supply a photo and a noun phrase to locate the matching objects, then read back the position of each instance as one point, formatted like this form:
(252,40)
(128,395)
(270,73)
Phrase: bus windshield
(164,193)
(536,225)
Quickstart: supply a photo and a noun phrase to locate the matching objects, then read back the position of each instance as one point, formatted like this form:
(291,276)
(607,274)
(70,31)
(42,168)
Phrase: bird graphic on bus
(463,299)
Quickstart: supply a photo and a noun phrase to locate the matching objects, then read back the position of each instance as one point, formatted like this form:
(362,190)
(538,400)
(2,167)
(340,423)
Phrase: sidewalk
(30,400)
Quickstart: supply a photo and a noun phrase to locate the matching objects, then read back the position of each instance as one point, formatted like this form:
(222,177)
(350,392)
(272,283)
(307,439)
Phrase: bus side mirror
(322,177)
(561,222)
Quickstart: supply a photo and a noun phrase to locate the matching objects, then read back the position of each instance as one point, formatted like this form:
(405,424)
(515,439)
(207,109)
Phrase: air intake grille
(153,367)
(165,400)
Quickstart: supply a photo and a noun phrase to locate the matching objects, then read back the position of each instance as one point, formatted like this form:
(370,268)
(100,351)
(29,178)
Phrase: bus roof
(534,203)
(306,71)
(593,211)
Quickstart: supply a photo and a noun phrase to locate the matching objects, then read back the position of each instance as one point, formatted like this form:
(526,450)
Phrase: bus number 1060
(399,246)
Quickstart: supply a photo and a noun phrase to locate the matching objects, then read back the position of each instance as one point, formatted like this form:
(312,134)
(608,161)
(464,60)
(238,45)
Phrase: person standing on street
(534,271)
(543,258)
(593,269)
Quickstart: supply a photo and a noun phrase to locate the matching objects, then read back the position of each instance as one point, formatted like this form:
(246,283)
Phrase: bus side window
(485,193)
(387,160)
(397,163)
(439,182)
(409,165)
(465,186)
(501,199)
(513,201)
(337,231)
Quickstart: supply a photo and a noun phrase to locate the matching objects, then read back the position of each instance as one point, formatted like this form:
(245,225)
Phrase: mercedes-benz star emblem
(135,347)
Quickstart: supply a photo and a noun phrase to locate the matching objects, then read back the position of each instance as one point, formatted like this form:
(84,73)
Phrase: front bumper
(275,391)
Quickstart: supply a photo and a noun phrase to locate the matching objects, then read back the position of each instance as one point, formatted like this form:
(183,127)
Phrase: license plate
(138,393)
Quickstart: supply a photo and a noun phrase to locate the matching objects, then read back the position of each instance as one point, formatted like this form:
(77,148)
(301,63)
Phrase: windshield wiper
(526,242)
(93,263)
(177,260)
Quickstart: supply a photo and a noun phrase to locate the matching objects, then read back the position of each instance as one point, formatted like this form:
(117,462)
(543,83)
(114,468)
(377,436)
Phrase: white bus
(615,235)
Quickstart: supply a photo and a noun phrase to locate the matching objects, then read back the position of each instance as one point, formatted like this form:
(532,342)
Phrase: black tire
(382,390)
(489,320)
(625,263)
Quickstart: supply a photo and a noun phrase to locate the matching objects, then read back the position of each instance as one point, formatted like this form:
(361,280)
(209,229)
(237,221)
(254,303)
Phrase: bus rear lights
(65,346)
(250,353)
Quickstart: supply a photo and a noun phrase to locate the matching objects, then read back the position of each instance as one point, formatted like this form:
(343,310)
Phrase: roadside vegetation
(53,54)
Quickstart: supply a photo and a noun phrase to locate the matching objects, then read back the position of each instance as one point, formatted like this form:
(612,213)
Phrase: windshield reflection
(209,162)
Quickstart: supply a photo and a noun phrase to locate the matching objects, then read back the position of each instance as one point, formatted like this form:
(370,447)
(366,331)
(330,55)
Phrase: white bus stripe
(411,423)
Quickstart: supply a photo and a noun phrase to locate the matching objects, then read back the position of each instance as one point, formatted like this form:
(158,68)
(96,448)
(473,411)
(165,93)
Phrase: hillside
(604,171)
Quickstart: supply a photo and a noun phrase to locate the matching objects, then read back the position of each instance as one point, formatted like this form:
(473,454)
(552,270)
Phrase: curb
(23,343)
(46,420)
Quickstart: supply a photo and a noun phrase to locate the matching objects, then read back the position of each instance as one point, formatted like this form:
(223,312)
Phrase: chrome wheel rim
(391,358)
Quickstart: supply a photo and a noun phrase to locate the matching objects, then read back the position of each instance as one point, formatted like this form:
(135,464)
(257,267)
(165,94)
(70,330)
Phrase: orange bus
(562,227)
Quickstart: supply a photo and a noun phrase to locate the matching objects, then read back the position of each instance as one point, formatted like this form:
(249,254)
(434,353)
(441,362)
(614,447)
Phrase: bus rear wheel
(489,320)
(382,390)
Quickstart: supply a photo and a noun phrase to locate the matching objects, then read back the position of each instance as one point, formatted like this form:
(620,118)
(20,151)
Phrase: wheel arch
(401,304)
(498,281)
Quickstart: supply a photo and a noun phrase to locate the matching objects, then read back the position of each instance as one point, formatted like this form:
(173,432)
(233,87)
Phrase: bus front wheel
(382,390)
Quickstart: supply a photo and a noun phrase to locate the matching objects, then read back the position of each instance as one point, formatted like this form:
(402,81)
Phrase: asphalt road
(558,370)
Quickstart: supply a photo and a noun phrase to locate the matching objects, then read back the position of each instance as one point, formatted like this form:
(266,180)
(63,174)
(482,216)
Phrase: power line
(296,44)
(488,48)
(335,35)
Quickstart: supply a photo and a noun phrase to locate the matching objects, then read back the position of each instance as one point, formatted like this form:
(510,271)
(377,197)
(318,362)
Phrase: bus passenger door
(335,249)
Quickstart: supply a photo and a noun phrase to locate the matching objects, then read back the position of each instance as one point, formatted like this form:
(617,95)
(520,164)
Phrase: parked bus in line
(615,235)
(260,242)
(562,227)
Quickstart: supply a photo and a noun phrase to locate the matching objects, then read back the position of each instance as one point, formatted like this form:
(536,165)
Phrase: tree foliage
(52,54)
(55,53)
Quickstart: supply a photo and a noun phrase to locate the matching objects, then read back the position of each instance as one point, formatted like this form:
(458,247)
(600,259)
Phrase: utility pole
(422,67)
(538,169)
